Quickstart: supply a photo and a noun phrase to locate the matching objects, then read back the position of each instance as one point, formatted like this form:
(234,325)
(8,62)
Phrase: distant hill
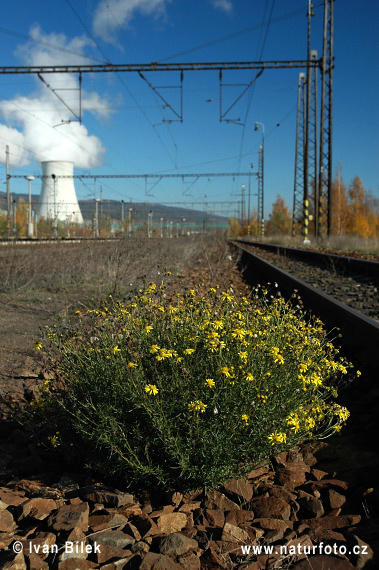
(113,209)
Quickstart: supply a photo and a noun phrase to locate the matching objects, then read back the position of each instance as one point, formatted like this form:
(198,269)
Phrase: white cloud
(39,125)
(223,5)
(111,15)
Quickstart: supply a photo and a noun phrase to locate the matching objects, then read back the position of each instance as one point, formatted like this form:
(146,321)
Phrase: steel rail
(341,263)
(360,334)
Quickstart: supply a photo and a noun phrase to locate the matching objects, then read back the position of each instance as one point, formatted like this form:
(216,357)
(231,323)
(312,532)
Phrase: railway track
(319,279)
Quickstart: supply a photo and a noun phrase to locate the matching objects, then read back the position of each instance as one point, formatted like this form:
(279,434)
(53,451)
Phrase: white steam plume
(37,126)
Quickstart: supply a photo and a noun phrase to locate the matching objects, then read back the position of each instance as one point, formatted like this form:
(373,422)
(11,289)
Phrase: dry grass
(91,269)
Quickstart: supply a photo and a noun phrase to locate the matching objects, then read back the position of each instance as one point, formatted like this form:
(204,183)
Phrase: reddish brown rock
(318,474)
(258,473)
(11,498)
(210,560)
(217,500)
(239,516)
(271,507)
(114,538)
(273,524)
(145,525)
(107,498)
(140,547)
(331,523)
(189,561)
(34,561)
(189,507)
(132,530)
(37,508)
(239,489)
(177,544)
(18,563)
(325,484)
(108,552)
(130,511)
(163,511)
(174,498)
(215,517)
(335,499)
(7,523)
(310,506)
(76,564)
(101,520)
(232,533)
(153,561)
(322,562)
(68,517)
(38,488)
(292,475)
(171,522)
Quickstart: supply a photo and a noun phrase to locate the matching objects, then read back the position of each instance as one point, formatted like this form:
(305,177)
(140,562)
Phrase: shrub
(191,392)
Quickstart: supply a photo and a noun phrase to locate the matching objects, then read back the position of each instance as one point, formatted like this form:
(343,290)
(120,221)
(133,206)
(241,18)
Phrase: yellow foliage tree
(280,221)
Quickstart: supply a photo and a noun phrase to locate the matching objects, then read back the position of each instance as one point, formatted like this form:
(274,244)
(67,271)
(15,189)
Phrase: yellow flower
(55,440)
(217,324)
(154,348)
(197,406)
(189,351)
(245,418)
(277,437)
(243,356)
(279,359)
(38,345)
(225,372)
(148,328)
(342,412)
(116,349)
(249,377)
(210,382)
(132,365)
(151,389)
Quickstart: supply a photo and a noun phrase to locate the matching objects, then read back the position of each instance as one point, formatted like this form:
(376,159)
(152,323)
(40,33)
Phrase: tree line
(355,212)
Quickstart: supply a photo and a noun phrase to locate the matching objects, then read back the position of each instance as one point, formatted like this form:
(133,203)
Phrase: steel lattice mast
(297,210)
(325,213)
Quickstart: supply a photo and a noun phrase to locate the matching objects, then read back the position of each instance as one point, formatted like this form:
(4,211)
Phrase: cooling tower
(58,199)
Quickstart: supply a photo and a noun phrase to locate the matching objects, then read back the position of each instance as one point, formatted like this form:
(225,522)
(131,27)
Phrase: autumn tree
(353,213)
(280,221)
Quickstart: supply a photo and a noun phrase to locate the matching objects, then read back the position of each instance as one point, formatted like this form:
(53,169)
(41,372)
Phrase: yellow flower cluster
(253,360)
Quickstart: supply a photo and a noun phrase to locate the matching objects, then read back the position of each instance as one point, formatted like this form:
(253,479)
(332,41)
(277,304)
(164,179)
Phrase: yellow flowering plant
(192,391)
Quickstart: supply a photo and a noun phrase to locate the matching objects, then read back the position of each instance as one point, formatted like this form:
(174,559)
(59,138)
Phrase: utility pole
(9,218)
(30,223)
(55,221)
(298,189)
(242,204)
(310,13)
(101,207)
(261,221)
(122,215)
(130,229)
(96,228)
(326,122)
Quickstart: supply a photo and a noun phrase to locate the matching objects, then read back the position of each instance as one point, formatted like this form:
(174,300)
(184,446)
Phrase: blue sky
(124,126)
